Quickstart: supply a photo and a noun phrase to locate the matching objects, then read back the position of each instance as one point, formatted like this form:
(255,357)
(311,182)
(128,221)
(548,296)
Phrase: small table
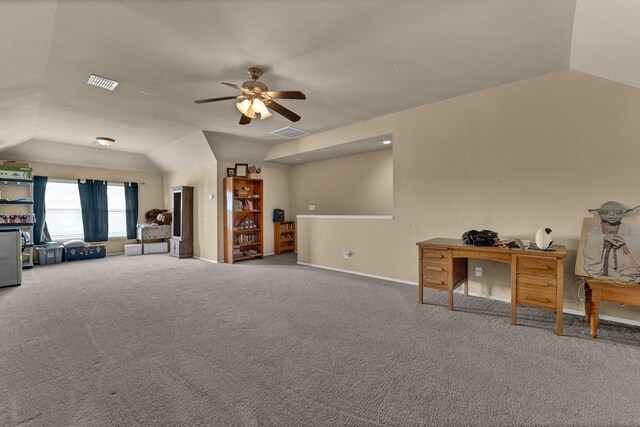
(597,290)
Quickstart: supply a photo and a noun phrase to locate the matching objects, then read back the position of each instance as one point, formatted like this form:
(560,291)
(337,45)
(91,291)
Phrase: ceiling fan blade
(283,111)
(245,120)
(233,85)
(224,98)
(287,94)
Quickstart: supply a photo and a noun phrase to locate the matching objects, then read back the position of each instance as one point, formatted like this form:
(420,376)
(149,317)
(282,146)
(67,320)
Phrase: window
(64,214)
(117,211)
(64,217)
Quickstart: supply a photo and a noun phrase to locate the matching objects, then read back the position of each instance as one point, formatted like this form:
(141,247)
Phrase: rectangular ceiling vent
(290,132)
(102,82)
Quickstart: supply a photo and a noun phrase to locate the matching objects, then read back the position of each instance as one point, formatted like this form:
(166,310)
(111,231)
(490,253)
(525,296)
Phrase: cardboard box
(135,249)
(156,248)
(14,172)
(15,164)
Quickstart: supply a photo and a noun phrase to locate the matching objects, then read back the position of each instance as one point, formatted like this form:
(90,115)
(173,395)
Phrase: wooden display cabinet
(284,237)
(243,220)
(181,242)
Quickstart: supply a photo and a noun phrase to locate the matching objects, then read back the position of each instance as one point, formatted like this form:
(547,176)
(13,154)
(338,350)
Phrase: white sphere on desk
(544,238)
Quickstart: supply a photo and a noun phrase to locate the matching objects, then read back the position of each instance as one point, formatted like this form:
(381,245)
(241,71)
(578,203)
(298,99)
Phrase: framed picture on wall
(242,169)
(231,171)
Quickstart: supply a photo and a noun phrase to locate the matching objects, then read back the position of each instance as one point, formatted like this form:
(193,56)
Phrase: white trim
(117,253)
(207,259)
(605,317)
(375,276)
(474,294)
(378,217)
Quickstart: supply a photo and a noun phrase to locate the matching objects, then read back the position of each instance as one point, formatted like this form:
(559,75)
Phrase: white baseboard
(375,276)
(475,294)
(207,260)
(117,253)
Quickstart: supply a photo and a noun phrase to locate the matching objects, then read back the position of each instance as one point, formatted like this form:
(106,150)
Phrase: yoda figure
(612,249)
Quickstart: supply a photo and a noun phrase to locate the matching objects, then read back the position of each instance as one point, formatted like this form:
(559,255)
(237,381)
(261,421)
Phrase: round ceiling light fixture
(104,141)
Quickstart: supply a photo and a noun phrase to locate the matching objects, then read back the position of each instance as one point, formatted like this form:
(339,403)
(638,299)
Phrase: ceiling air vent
(102,82)
(290,132)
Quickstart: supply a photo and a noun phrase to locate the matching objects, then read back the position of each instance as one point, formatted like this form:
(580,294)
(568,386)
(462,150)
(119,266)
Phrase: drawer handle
(434,281)
(535,298)
(433,268)
(434,255)
(539,283)
(537,266)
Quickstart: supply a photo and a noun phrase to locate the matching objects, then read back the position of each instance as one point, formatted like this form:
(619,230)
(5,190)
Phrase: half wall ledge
(376,217)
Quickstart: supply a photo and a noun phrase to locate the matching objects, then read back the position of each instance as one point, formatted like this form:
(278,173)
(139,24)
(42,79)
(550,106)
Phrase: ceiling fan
(256,97)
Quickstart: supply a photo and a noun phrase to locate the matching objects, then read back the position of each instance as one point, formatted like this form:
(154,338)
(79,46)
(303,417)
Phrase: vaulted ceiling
(354,60)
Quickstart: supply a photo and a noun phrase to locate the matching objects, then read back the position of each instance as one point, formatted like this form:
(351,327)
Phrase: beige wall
(534,153)
(360,184)
(276,195)
(149,194)
(205,215)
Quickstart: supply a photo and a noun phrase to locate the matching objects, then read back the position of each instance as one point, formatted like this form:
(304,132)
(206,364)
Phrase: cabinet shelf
(248,244)
(16,181)
(240,258)
(16,202)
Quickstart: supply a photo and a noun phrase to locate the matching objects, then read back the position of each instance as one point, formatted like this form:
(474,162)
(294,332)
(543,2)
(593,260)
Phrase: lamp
(104,141)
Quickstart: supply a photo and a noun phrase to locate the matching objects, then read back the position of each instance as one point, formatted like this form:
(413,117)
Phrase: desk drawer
(430,267)
(536,266)
(434,281)
(536,291)
(435,255)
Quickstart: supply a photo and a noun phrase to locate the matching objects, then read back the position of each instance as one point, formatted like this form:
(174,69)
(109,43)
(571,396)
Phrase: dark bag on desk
(480,238)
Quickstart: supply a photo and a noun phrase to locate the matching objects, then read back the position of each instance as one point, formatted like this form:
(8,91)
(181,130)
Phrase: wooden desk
(536,276)
(597,290)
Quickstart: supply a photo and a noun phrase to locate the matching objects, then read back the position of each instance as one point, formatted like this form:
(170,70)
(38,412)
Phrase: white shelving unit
(9,205)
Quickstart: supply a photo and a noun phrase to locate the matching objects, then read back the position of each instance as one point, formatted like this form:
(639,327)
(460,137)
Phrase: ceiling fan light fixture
(265,114)
(243,106)
(251,113)
(104,141)
(258,105)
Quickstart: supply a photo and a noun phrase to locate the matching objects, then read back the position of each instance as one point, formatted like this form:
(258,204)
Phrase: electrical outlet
(479,271)
(346,253)
(312,207)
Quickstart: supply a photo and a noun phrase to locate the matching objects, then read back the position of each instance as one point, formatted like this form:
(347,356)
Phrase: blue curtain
(131,203)
(95,210)
(40,231)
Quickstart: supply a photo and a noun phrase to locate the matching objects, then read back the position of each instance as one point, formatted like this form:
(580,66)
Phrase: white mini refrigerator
(10,257)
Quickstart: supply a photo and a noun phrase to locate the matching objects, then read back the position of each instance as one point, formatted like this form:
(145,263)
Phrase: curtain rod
(75,180)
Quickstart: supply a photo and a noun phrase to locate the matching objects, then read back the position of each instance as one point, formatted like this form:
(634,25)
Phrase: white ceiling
(355,60)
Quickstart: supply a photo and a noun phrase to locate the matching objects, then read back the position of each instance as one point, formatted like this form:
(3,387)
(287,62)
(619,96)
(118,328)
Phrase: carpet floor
(154,341)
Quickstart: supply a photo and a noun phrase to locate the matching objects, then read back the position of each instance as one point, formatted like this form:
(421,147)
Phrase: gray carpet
(153,340)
